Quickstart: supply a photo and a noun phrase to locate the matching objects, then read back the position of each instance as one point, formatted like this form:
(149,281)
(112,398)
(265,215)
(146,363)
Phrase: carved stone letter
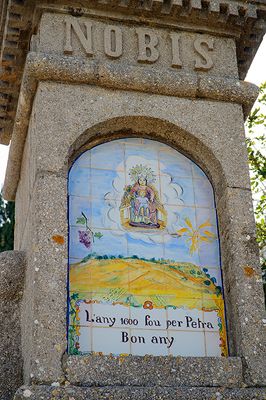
(113,41)
(147,41)
(176,61)
(208,63)
(86,41)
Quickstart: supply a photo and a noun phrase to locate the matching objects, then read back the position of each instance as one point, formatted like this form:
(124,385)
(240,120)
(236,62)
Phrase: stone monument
(135,273)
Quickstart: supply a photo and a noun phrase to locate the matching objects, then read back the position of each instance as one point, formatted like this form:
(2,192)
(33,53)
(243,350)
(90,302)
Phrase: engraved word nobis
(148,44)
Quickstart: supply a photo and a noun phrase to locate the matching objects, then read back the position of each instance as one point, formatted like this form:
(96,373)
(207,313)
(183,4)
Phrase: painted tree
(256,143)
(7,221)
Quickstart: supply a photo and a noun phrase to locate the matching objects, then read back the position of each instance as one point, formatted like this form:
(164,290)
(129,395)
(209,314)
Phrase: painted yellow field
(133,281)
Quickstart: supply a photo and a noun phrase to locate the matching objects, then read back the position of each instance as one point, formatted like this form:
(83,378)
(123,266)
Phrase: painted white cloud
(169,192)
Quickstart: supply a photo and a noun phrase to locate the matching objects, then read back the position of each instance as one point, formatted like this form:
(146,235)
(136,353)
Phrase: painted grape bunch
(86,237)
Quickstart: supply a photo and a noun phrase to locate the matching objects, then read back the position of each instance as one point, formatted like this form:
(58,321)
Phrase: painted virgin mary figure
(142,199)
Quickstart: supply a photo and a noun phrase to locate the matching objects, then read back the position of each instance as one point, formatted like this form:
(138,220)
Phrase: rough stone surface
(242,20)
(242,280)
(137,393)
(51,37)
(153,371)
(42,67)
(211,133)
(182,122)
(44,301)
(12,269)
(181,83)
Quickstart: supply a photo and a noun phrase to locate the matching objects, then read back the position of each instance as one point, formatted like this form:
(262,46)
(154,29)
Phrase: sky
(256,74)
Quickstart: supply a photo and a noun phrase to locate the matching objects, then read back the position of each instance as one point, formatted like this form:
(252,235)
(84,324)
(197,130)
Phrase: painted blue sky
(96,186)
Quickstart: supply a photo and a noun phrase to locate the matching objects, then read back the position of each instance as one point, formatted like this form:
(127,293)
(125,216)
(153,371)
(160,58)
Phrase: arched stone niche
(144,254)
(163,130)
(208,159)
(210,134)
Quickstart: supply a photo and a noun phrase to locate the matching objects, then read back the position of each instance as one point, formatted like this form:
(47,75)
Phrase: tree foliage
(7,221)
(256,143)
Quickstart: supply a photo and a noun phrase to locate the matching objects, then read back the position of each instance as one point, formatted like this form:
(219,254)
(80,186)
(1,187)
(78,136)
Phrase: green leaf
(81,220)
(7,221)
(98,235)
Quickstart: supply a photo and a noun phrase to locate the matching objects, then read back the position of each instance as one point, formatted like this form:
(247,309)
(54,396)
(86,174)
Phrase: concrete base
(137,393)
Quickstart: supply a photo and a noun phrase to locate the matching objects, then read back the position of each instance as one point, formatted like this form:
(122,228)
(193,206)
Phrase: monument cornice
(244,20)
(75,70)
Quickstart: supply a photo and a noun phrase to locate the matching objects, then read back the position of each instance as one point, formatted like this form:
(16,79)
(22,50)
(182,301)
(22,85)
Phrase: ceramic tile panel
(215,275)
(207,219)
(79,338)
(181,244)
(175,164)
(84,160)
(211,321)
(212,340)
(181,191)
(79,243)
(100,181)
(79,183)
(152,144)
(190,319)
(154,319)
(105,218)
(102,315)
(209,256)
(144,261)
(77,203)
(132,158)
(109,156)
(107,239)
(152,247)
(187,343)
(203,193)
(148,341)
(180,216)
(85,313)
(110,341)
(197,172)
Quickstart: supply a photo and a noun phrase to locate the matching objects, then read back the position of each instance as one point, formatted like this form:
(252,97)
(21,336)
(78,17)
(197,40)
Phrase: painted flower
(85,238)
(148,305)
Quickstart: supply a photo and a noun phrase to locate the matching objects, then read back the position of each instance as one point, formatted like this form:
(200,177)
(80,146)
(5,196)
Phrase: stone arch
(158,129)
(202,152)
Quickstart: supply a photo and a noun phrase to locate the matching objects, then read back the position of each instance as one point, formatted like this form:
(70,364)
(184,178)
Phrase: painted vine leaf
(87,236)
(81,220)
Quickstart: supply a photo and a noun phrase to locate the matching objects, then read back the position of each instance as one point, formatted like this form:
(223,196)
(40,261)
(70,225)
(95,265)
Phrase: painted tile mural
(144,263)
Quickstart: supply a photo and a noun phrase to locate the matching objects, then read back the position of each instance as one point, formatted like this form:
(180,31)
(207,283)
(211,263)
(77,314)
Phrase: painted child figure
(142,199)
(143,205)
